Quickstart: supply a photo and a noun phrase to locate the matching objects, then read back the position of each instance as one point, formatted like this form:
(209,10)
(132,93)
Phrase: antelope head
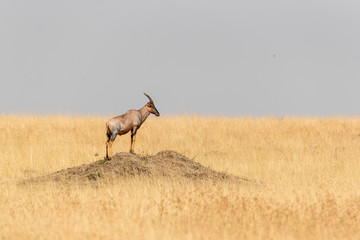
(151,106)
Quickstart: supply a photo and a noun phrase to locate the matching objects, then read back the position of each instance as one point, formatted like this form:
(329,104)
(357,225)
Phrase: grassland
(308,168)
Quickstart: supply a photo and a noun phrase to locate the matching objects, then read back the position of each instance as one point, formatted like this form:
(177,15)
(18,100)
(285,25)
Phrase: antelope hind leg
(112,139)
(106,145)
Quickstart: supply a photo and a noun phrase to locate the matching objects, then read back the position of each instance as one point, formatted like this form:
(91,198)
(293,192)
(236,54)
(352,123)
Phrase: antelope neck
(144,112)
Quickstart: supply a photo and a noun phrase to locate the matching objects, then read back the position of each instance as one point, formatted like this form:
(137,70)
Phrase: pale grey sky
(235,58)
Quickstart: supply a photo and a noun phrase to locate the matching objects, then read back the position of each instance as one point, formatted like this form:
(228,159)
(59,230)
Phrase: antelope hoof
(132,152)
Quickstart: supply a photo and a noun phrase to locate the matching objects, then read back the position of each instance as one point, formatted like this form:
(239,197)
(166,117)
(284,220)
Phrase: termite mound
(168,164)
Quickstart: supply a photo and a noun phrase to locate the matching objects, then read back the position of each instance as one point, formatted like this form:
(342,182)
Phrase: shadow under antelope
(130,121)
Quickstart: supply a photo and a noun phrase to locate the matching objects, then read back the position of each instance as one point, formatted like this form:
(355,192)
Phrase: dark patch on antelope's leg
(113,137)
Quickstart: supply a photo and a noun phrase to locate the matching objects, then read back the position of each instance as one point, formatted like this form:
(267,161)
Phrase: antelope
(130,121)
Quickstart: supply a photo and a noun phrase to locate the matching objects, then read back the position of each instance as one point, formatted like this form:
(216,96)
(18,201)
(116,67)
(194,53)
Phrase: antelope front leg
(133,139)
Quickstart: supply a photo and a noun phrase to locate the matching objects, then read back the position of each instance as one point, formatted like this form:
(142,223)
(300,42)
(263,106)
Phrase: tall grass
(309,169)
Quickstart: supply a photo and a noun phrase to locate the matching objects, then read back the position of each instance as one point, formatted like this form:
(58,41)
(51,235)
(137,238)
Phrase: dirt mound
(169,164)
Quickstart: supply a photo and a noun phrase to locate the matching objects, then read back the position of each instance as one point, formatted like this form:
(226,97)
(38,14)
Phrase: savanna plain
(303,180)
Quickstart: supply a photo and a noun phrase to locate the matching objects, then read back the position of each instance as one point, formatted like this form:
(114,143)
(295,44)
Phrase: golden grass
(309,169)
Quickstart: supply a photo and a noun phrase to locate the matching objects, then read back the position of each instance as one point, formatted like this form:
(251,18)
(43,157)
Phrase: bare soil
(169,164)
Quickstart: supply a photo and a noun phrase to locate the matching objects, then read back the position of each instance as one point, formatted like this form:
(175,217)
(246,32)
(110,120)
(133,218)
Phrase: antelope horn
(149,98)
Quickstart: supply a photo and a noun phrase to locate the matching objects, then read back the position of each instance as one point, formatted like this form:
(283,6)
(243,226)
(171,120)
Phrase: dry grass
(309,168)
